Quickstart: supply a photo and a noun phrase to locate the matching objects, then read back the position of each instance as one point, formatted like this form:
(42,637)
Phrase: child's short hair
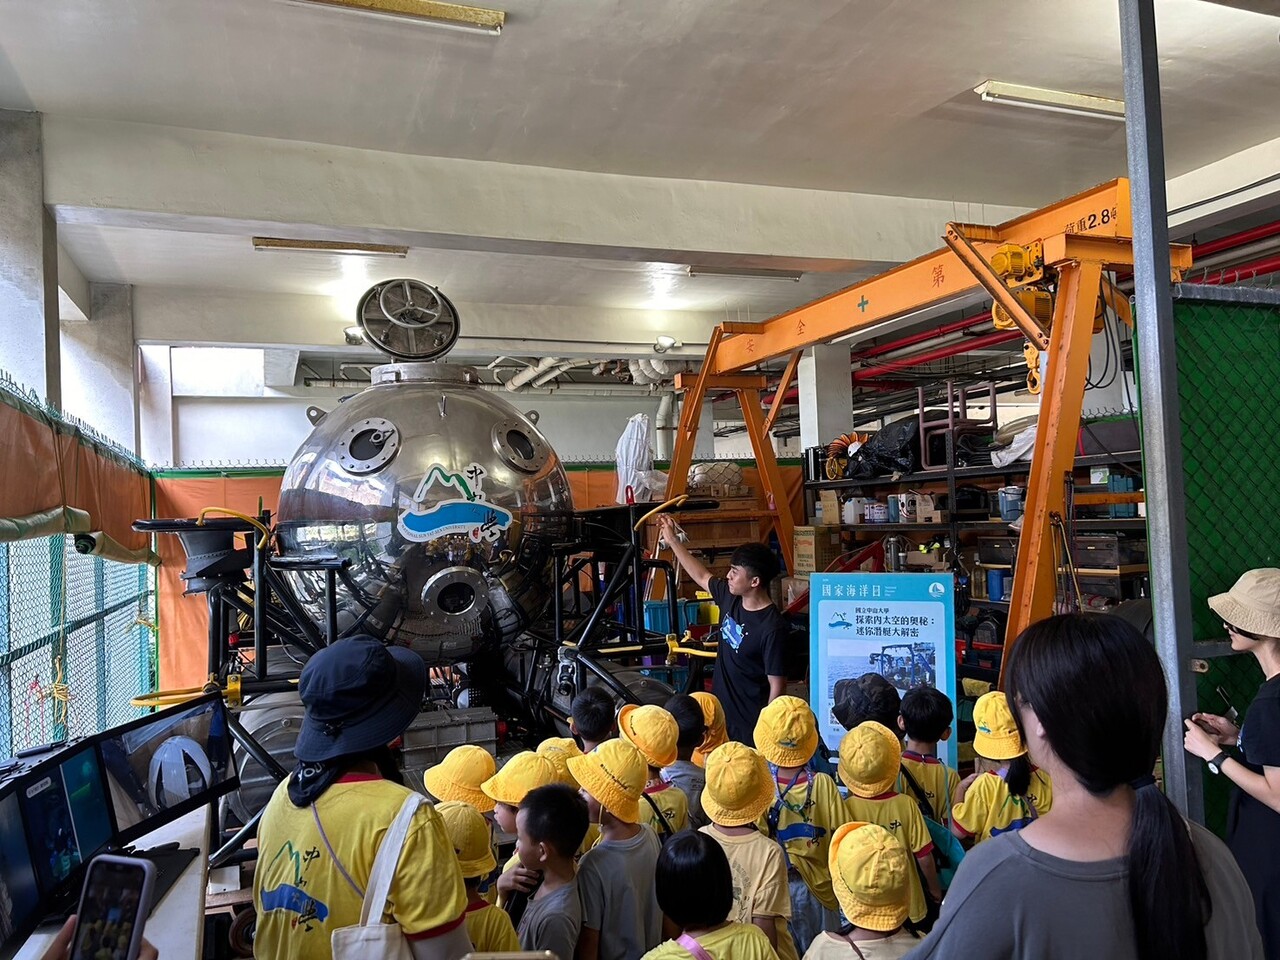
(593,711)
(869,697)
(557,816)
(758,560)
(689,720)
(693,880)
(926,714)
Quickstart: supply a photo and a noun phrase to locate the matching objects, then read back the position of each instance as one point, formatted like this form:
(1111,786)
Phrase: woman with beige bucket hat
(1250,613)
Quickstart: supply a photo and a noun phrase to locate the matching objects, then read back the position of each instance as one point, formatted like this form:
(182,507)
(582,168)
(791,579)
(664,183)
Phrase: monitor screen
(164,766)
(64,804)
(19,896)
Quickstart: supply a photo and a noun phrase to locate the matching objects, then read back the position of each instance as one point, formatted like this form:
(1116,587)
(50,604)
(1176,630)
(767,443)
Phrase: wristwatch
(1215,765)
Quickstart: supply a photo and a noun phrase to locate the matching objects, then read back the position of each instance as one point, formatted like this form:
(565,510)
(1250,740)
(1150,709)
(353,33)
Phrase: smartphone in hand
(114,906)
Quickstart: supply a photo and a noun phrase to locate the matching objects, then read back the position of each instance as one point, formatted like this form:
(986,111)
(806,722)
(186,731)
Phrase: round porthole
(368,446)
(519,446)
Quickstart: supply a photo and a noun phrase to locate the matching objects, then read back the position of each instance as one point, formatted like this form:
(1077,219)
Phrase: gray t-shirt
(552,922)
(615,879)
(1009,900)
(690,778)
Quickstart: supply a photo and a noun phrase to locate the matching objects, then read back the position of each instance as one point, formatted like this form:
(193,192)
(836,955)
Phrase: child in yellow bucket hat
(738,793)
(684,773)
(716,732)
(615,877)
(654,733)
(507,789)
(489,927)
(805,812)
(1007,792)
(558,750)
(870,757)
(459,775)
(871,871)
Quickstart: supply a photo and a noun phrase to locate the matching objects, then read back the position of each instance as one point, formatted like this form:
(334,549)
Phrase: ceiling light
(746,273)
(451,16)
(330,246)
(1051,101)
(354,335)
(664,343)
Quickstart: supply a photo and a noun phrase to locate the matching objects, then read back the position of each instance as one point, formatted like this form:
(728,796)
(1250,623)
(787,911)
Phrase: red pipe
(938,353)
(1235,240)
(869,376)
(924,335)
(1245,271)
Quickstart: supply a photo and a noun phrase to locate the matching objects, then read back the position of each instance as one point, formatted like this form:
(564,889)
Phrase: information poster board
(899,625)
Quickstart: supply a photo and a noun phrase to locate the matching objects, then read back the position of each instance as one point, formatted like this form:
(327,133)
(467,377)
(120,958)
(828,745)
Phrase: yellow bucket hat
(739,786)
(870,755)
(558,750)
(653,731)
(524,772)
(471,838)
(870,871)
(787,733)
(615,774)
(459,775)
(713,717)
(995,735)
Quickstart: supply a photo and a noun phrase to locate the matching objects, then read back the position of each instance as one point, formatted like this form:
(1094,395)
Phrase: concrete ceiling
(872,96)
(153,257)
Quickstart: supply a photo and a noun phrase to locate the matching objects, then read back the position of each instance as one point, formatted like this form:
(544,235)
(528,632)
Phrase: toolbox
(1098,551)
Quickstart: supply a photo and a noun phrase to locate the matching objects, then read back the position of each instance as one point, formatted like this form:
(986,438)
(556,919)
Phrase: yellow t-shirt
(826,947)
(900,816)
(490,929)
(733,941)
(301,896)
(759,882)
(936,779)
(673,803)
(809,812)
(988,809)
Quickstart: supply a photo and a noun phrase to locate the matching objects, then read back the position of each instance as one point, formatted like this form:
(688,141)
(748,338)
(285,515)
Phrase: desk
(176,924)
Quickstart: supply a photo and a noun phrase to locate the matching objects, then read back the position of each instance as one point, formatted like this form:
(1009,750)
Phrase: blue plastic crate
(657,616)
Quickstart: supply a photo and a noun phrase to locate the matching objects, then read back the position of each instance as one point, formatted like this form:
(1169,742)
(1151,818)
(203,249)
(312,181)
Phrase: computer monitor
(68,819)
(162,767)
(19,895)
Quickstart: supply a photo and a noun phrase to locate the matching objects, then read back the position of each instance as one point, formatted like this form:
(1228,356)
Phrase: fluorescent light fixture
(354,334)
(746,273)
(451,16)
(342,247)
(1050,101)
(663,343)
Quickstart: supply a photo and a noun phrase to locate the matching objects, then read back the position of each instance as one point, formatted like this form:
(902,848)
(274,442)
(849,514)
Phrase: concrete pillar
(704,446)
(155,407)
(100,382)
(825,390)
(28,261)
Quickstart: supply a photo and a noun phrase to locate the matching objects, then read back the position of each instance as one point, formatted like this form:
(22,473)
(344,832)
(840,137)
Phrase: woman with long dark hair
(1111,870)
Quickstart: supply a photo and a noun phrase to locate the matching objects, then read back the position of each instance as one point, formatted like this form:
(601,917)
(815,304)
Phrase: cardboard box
(927,510)
(815,548)
(916,558)
(793,588)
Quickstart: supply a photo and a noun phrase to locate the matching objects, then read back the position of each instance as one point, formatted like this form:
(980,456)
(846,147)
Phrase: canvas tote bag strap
(694,947)
(386,861)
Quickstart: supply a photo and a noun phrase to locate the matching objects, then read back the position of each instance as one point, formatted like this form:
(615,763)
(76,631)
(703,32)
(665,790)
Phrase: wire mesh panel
(76,644)
(1229,389)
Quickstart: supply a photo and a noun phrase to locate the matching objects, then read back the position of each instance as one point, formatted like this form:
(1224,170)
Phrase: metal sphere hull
(446,500)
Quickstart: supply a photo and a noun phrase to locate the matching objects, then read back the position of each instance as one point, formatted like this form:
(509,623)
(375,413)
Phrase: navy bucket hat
(359,695)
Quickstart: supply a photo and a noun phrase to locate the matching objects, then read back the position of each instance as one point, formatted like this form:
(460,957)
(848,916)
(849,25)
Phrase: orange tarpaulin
(46,464)
(184,621)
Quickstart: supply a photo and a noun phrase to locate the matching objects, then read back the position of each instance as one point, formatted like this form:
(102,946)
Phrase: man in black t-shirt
(750,663)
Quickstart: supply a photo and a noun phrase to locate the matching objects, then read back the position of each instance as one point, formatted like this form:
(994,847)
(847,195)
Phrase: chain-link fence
(77,641)
(1229,390)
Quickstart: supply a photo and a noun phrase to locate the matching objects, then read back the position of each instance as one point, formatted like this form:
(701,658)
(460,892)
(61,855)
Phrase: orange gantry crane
(1059,255)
